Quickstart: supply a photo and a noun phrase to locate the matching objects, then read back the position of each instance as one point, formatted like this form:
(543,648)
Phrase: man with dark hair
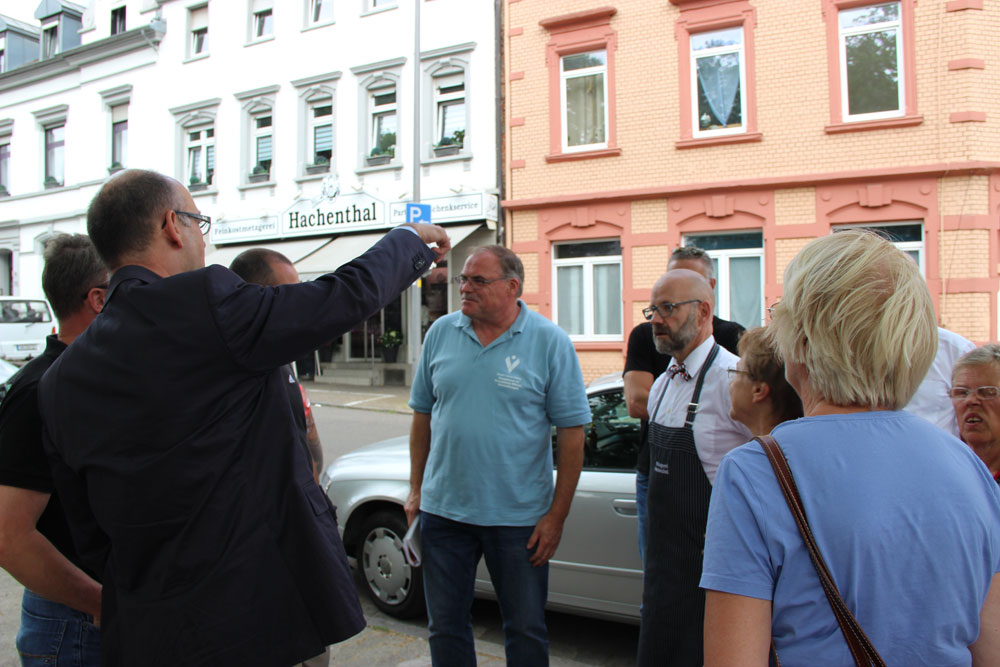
(493,380)
(35,543)
(263,266)
(643,364)
(171,439)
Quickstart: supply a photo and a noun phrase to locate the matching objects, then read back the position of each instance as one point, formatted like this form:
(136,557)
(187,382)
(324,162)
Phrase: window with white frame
(871,62)
(262,16)
(738,264)
(4,166)
(449,105)
(588,289)
(200,152)
(382,105)
(321,131)
(320,11)
(198,29)
(381,4)
(55,147)
(117,20)
(906,235)
(50,40)
(584,92)
(717,83)
(262,144)
(119,135)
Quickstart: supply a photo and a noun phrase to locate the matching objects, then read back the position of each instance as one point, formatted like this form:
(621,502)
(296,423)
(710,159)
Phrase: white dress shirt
(715,432)
(931,400)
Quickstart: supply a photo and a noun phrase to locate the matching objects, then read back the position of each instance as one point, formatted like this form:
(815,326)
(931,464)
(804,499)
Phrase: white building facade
(302,125)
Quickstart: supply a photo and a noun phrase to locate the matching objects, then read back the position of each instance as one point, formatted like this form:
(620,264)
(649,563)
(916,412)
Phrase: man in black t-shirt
(263,266)
(35,543)
(643,364)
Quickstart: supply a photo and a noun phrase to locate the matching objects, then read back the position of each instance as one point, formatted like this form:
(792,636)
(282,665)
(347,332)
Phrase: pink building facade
(747,127)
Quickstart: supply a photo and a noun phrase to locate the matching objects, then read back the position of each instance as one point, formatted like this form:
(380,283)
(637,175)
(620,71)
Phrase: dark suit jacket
(173,445)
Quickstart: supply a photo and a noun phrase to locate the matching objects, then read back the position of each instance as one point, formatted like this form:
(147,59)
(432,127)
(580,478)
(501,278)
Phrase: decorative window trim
(255,103)
(569,34)
(47,119)
(188,117)
(383,74)
(255,7)
(435,64)
(705,19)
(909,115)
(311,89)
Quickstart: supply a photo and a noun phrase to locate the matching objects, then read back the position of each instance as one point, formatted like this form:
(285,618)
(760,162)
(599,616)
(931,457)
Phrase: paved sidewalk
(391,398)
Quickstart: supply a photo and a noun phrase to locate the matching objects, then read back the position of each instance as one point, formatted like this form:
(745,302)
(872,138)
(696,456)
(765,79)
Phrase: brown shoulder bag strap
(861,647)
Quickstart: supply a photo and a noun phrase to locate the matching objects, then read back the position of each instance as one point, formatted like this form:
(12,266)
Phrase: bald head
(687,282)
(126,213)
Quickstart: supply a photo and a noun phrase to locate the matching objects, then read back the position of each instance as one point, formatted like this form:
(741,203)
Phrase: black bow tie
(676,369)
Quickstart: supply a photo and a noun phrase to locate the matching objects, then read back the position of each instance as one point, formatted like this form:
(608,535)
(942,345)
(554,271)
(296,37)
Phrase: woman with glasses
(760,395)
(905,515)
(975,393)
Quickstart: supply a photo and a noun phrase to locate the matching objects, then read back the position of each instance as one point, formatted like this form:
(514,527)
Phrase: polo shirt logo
(512,363)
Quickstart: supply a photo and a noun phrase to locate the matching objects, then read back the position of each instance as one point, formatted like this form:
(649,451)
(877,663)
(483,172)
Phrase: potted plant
(390,341)
(321,164)
(3,192)
(383,151)
(450,145)
(259,174)
(196,184)
(115,166)
(51,182)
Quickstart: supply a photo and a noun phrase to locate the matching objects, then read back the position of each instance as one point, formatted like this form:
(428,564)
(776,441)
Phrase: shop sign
(345,213)
(474,206)
(232,231)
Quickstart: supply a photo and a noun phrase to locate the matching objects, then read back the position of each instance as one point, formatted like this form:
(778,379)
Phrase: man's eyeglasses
(204,222)
(733,372)
(983,393)
(665,309)
(477,281)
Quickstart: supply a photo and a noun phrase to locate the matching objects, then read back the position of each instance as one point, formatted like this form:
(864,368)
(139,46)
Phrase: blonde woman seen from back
(905,516)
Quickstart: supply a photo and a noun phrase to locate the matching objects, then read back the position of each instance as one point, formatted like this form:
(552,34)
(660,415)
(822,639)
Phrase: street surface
(348,418)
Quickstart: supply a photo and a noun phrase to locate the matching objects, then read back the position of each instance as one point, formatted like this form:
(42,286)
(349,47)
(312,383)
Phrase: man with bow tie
(690,430)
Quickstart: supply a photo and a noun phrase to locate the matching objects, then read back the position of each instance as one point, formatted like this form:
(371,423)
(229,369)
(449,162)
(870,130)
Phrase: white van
(24,324)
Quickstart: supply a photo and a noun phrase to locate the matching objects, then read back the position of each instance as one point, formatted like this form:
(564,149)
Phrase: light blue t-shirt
(492,411)
(906,516)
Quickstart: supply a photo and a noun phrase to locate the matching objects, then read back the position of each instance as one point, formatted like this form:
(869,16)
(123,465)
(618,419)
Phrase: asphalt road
(574,641)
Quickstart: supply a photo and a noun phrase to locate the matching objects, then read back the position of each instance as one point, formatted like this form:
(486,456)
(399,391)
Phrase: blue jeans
(451,552)
(641,491)
(54,634)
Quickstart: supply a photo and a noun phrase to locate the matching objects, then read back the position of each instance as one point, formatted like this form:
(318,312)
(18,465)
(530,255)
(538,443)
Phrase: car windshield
(24,311)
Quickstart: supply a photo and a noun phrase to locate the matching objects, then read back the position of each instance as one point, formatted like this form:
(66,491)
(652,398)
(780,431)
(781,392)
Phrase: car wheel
(396,587)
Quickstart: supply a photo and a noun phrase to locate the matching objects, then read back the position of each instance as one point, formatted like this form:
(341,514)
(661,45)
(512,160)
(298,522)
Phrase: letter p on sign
(418,212)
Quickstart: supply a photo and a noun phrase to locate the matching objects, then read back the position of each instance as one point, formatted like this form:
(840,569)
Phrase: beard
(673,342)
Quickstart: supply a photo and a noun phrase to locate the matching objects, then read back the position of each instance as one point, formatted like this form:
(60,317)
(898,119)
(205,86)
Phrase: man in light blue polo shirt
(492,380)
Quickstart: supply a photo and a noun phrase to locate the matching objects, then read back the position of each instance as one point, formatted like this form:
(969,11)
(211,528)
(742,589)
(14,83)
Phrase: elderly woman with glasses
(905,515)
(975,393)
(760,395)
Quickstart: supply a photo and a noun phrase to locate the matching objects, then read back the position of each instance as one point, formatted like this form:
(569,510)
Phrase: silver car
(595,571)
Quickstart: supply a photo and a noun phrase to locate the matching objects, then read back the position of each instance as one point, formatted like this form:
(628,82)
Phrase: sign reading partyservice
(472,206)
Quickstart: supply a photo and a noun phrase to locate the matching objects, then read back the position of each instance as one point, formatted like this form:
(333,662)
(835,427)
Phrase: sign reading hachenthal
(345,213)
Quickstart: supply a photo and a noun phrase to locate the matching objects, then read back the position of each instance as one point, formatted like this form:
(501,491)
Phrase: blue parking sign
(418,212)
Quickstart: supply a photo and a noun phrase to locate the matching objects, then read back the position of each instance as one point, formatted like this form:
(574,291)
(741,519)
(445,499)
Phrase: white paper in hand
(411,544)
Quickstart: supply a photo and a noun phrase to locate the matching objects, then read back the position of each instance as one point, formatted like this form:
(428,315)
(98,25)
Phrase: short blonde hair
(857,313)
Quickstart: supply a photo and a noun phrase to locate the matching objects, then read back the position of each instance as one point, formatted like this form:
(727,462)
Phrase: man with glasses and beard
(690,430)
